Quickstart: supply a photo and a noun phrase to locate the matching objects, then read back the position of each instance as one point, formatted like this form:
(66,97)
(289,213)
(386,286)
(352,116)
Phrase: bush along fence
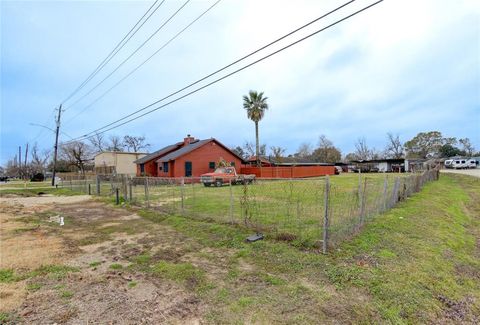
(313,212)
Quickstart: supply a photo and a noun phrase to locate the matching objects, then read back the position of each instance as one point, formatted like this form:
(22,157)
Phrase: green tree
(426,144)
(447,150)
(326,151)
(256,105)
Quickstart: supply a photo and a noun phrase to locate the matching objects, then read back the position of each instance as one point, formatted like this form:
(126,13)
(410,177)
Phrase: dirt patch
(458,311)
(44,200)
(95,300)
(12,295)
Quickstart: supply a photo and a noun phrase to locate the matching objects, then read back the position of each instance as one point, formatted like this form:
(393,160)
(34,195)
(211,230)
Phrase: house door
(188,169)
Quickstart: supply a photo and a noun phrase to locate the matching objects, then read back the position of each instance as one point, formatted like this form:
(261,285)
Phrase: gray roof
(184,150)
(157,153)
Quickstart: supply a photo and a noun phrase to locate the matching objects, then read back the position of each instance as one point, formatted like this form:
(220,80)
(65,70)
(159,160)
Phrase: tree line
(72,156)
(424,145)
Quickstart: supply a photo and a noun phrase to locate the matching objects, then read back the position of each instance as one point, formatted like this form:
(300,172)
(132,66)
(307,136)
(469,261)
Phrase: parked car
(448,163)
(225,175)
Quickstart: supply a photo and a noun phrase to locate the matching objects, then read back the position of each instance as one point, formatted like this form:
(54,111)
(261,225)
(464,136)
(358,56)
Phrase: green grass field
(417,263)
(291,209)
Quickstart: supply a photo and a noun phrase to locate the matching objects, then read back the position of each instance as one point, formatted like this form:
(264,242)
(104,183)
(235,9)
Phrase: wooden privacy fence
(289,172)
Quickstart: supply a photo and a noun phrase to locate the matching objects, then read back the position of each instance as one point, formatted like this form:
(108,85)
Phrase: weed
(184,273)
(273,280)
(34,287)
(7,275)
(95,264)
(116,266)
(132,284)
(66,294)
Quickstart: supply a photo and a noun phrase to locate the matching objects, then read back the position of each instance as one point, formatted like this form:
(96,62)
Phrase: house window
(142,168)
(211,165)
(165,167)
(232,163)
(188,169)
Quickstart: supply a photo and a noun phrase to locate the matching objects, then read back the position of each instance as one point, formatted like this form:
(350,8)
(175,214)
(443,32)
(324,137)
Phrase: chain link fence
(313,212)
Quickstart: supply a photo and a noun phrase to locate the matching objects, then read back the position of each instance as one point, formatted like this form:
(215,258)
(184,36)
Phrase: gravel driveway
(470,172)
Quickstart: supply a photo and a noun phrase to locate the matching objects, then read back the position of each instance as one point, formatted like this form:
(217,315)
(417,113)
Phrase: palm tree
(255,104)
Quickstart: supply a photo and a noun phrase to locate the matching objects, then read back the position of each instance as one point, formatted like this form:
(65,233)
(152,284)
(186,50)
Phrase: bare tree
(77,154)
(115,143)
(250,149)
(135,143)
(394,148)
(278,153)
(39,160)
(98,142)
(304,150)
(361,149)
(467,146)
(239,151)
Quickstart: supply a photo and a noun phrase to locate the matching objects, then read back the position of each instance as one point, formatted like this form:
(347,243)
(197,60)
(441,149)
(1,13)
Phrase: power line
(227,66)
(88,135)
(116,49)
(144,62)
(43,130)
(131,55)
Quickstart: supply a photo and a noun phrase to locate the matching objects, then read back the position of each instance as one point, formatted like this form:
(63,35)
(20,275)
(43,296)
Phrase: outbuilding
(117,162)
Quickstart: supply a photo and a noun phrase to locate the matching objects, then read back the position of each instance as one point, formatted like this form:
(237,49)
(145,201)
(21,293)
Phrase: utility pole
(26,155)
(19,161)
(56,144)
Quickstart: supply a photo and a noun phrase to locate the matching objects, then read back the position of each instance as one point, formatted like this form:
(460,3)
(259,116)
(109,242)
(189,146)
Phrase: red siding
(201,157)
(150,169)
(289,172)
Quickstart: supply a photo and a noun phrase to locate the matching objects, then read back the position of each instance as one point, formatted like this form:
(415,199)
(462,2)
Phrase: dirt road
(469,172)
(75,273)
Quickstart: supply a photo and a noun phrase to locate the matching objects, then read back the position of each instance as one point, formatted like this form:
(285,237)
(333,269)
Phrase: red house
(190,158)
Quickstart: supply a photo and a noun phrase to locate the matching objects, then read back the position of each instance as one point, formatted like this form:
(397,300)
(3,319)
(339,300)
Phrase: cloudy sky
(402,67)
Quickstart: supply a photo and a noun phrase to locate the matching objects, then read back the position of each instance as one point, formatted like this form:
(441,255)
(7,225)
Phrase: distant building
(117,162)
(379,165)
(189,158)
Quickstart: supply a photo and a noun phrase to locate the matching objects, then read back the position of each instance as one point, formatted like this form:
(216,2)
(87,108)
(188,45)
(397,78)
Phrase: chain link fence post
(193,195)
(231,201)
(182,193)
(396,187)
(363,196)
(130,189)
(385,191)
(147,200)
(326,221)
(98,184)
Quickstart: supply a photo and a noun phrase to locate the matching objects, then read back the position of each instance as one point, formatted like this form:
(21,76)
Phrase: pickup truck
(225,175)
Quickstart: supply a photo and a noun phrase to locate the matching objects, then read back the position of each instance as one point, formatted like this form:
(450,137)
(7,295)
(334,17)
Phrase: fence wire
(313,212)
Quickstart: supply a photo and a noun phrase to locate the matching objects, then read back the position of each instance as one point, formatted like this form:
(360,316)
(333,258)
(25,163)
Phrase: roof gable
(158,153)
(191,147)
